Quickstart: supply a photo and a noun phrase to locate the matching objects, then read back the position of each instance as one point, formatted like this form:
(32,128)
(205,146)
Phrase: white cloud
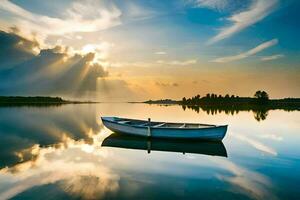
(158,63)
(246,54)
(273,57)
(81,16)
(163,84)
(137,12)
(130,64)
(102,49)
(258,10)
(211,4)
(160,53)
(177,62)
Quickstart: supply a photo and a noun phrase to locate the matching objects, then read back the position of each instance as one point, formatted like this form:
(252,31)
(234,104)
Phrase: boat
(169,130)
(213,148)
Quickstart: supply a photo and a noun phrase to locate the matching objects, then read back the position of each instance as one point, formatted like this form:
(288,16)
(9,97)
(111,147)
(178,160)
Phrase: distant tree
(257,94)
(208,95)
(261,95)
(227,96)
(184,100)
(264,95)
(188,101)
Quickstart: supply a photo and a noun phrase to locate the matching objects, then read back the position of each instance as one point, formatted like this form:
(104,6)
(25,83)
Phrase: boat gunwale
(173,128)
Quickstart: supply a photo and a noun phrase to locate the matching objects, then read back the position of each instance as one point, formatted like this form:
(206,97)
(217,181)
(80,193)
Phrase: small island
(261,98)
(36,101)
(260,104)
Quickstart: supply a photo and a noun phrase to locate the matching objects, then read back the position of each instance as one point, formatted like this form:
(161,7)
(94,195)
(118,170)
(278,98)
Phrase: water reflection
(260,114)
(42,146)
(24,129)
(75,168)
(65,153)
(257,144)
(155,144)
(248,182)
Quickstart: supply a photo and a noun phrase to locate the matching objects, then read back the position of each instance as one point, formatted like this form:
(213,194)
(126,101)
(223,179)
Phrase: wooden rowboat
(165,129)
(213,148)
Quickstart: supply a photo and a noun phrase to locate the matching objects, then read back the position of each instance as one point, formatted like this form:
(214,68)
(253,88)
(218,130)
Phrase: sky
(115,50)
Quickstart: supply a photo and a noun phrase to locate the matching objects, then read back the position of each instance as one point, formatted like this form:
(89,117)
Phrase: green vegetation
(36,101)
(261,95)
(162,101)
(33,101)
(261,98)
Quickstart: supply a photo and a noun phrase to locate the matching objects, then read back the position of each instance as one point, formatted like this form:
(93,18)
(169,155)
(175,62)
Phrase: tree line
(260,97)
(32,99)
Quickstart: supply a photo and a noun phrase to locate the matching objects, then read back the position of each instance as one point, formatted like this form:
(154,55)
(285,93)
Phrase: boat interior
(143,123)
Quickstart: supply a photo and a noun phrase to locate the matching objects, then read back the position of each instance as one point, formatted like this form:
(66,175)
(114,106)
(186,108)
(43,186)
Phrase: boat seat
(159,125)
(182,126)
(143,124)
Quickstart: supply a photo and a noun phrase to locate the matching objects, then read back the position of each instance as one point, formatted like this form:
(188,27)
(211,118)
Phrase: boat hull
(210,133)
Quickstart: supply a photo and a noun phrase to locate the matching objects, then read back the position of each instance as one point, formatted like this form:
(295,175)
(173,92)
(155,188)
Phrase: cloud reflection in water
(86,177)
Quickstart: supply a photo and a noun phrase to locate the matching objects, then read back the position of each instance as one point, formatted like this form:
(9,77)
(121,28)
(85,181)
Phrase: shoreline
(38,101)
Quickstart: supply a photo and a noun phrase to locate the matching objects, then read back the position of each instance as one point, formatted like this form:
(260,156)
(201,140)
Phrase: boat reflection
(155,144)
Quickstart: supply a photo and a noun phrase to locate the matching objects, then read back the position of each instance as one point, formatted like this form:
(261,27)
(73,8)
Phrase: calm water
(57,153)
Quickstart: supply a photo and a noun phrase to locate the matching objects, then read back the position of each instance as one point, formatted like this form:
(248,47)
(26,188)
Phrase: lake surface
(57,153)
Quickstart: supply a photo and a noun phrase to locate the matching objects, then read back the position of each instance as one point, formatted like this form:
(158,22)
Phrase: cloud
(160,53)
(81,16)
(15,49)
(211,4)
(134,11)
(52,71)
(225,6)
(158,63)
(101,50)
(273,57)
(161,84)
(241,20)
(177,62)
(246,54)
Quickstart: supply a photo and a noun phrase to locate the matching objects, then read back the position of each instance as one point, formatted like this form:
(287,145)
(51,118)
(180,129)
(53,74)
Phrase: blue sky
(139,41)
